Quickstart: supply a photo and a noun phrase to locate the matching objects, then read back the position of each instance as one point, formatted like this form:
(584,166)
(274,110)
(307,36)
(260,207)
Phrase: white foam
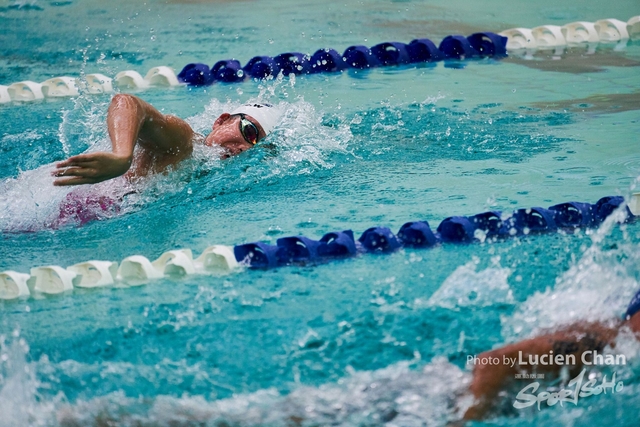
(83,126)
(31,202)
(596,289)
(26,137)
(300,142)
(19,405)
(394,396)
(466,287)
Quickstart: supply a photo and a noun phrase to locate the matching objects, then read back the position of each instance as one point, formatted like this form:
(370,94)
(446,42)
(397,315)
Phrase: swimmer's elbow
(122,98)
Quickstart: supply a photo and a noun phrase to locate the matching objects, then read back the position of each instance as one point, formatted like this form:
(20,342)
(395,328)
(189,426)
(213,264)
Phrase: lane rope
(453,47)
(488,226)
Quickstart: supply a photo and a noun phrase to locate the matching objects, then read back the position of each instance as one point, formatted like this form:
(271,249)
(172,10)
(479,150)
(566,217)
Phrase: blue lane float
(489,44)
(457,229)
(257,254)
(573,214)
(379,239)
(457,47)
(196,75)
(328,60)
(492,225)
(391,53)
(528,221)
(228,71)
(360,57)
(297,249)
(418,234)
(338,244)
(424,50)
(293,63)
(261,67)
(300,250)
(605,207)
(489,223)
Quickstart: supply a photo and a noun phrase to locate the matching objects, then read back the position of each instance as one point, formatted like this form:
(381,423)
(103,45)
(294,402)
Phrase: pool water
(372,340)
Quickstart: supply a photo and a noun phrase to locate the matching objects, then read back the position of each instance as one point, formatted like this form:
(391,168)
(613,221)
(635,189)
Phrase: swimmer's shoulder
(179,127)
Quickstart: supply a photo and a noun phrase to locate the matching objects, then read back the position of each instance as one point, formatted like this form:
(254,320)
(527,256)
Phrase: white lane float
(134,270)
(137,270)
(4,95)
(99,83)
(634,203)
(162,76)
(94,274)
(25,91)
(177,262)
(58,87)
(14,285)
(130,79)
(52,279)
(548,36)
(217,259)
(611,30)
(633,27)
(519,38)
(580,32)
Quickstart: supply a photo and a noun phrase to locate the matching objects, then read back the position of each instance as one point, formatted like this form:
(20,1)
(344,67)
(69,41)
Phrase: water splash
(300,144)
(30,202)
(19,402)
(597,288)
(466,287)
(83,125)
(394,396)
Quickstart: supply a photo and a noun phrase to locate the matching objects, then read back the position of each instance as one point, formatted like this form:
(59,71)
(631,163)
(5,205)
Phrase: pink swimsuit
(85,208)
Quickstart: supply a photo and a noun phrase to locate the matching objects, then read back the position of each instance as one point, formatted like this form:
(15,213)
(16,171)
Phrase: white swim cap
(266,114)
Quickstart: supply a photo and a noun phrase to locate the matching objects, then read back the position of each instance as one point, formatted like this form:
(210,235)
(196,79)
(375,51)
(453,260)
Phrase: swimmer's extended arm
(165,140)
(489,379)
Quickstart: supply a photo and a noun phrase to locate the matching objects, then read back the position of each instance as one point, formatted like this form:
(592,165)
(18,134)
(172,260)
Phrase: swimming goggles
(248,130)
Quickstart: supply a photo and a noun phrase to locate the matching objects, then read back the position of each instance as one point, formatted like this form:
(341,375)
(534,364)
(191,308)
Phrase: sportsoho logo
(582,386)
(576,388)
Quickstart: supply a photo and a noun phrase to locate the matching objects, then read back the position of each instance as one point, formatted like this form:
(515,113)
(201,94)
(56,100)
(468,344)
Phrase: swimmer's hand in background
(90,168)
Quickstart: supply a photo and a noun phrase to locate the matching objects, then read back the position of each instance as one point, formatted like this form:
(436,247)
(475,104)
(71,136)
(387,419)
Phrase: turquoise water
(367,341)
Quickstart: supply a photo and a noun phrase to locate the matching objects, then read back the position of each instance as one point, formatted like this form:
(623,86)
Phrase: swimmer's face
(227,133)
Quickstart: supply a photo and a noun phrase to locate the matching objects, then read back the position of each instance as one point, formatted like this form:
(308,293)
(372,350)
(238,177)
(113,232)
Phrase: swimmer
(578,339)
(161,140)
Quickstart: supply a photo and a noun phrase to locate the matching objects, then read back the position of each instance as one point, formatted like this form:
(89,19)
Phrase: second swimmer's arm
(489,379)
(165,140)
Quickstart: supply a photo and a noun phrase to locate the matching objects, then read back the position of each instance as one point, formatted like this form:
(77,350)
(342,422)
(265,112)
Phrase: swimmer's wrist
(124,158)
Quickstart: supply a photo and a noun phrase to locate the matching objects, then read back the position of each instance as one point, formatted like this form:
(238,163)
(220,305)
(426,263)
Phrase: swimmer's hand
(90,168)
